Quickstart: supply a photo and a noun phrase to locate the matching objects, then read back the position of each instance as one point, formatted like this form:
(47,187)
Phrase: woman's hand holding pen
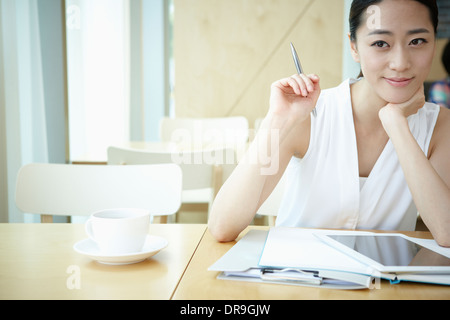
(294,97)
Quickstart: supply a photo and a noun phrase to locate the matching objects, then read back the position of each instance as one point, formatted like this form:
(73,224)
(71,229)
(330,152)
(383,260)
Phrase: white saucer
(153,244)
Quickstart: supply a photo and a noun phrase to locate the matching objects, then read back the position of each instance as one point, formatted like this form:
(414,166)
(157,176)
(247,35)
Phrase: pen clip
(291,275)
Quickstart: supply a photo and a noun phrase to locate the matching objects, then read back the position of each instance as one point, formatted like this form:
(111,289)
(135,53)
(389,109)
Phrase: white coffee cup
(119,231)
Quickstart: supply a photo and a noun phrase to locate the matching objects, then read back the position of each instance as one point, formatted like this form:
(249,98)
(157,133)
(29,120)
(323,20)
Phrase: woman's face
(395,47)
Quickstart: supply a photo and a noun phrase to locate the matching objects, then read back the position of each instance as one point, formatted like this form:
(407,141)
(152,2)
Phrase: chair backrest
(64,189)
(200,168)
(228,131)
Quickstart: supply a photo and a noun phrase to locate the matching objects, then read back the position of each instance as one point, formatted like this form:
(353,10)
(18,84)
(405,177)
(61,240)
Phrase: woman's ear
(354,49)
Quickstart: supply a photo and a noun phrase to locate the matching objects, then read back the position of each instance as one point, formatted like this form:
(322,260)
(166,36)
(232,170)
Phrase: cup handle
(88,229)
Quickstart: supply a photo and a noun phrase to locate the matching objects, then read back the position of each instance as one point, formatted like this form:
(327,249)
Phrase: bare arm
(427,178)
(283,133)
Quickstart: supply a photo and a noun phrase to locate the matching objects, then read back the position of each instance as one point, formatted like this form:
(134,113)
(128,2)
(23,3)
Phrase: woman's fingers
(314,78)
(295,85)
(303,83)
(299,84)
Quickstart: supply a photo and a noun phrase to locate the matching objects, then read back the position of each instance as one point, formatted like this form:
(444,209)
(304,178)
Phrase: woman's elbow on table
(440,232)
(221,236)
(443,240)
(220,232)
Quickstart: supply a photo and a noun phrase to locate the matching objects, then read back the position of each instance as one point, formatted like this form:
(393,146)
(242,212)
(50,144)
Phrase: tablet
(390,253)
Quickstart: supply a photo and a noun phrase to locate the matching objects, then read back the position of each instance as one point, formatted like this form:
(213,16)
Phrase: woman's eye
(380,44)
(417,42)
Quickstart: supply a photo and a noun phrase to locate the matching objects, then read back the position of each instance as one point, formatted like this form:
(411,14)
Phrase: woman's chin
(396,100)
(396,97)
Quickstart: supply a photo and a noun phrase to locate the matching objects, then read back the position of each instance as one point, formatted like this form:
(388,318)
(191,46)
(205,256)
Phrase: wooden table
(37,261)
(198,283)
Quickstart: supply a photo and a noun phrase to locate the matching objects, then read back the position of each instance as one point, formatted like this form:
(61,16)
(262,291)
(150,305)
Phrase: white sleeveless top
(324,189)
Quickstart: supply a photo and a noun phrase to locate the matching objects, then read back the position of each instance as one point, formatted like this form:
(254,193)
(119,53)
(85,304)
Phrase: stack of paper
(298,257)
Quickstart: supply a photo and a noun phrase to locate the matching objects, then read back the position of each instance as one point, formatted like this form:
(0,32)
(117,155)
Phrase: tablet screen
(391,250)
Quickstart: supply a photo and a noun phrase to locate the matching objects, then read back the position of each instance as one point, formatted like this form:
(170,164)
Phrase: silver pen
(299,69)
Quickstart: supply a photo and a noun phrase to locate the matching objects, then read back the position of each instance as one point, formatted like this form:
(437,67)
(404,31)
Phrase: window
(98,76)
(118,54)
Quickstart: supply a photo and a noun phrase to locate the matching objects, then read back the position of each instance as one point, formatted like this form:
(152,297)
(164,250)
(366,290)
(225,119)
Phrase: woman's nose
(400,60)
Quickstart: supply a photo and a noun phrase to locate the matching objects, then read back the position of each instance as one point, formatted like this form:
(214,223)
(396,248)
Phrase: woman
(374,155)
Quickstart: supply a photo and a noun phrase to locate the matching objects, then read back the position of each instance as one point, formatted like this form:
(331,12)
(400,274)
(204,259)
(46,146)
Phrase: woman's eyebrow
(419,30)
(380,31)
(390,33)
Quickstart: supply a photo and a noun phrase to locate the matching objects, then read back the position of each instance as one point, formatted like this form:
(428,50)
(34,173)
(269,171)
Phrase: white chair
(226,131)
(80,190)
(203,170)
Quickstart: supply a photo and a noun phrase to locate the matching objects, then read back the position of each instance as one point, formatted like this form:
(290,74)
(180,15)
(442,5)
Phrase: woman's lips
(398,82)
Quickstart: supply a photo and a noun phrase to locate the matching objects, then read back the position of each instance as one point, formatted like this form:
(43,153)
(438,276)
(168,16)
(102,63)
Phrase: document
(296,256)
(248,260)
(300,248)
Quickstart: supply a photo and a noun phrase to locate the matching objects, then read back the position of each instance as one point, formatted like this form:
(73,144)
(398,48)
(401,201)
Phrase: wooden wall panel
(228,52)
(438,71)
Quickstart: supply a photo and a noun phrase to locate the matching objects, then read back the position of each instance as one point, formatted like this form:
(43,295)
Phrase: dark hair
(359,7)
(446,58)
